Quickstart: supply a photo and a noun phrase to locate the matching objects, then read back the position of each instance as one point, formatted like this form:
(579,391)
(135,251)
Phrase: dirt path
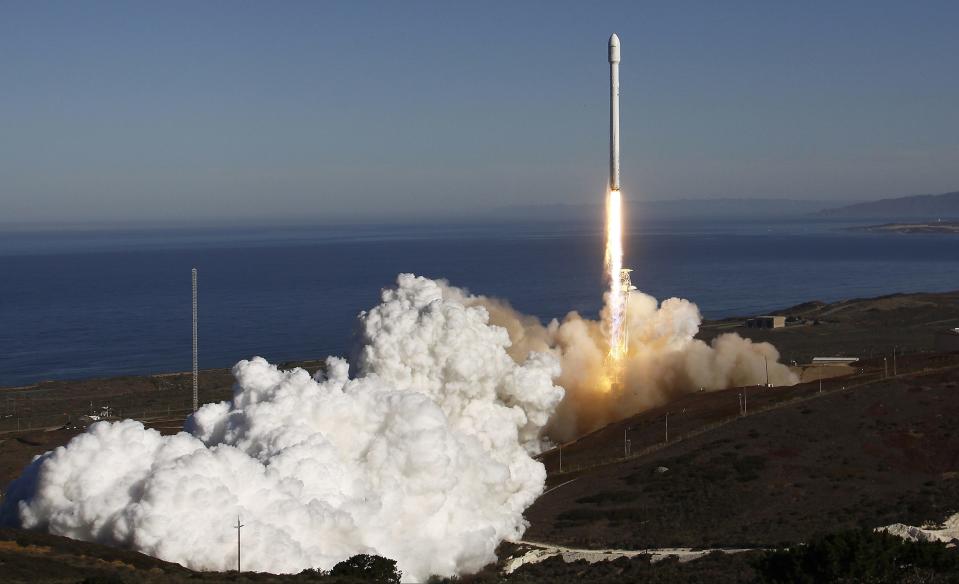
(542,551)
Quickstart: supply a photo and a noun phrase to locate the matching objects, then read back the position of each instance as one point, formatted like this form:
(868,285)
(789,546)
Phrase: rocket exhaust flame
(614,271)
(618,278)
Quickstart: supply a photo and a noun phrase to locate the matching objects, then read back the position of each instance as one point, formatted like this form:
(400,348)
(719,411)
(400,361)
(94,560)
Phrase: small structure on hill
(947,340)
(766,322)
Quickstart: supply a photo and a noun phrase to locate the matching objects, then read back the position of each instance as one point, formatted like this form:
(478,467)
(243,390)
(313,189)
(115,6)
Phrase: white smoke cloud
(664,358)
(423,456)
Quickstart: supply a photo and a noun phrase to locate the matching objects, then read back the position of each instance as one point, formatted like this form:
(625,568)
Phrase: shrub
(855,556)
(367,568)
(103,579)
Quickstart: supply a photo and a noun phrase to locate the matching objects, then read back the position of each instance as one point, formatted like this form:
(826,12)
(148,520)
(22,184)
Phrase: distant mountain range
(694,209)
(925,207)
(916,207)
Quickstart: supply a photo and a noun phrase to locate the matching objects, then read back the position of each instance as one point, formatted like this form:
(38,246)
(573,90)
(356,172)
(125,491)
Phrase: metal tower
(619,345)
(238,527)
(626,285)
(195,405)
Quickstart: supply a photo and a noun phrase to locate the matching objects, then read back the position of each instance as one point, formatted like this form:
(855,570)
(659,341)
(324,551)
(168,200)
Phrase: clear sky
(363,110)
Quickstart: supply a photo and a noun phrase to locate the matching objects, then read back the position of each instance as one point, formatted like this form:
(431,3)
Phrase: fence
(935,363)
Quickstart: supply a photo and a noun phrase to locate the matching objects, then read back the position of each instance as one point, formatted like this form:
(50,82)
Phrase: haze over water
(75,305)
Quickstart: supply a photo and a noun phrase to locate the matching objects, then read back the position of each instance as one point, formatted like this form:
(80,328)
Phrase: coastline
(936,227)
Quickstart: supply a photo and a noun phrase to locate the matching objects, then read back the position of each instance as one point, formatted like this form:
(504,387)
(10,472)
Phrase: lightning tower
(195,385)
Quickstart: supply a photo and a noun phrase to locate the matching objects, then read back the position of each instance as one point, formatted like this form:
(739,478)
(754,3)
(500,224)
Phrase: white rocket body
(614,113)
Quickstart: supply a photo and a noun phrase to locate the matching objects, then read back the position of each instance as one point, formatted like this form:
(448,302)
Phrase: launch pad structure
(625,286)
(619,342)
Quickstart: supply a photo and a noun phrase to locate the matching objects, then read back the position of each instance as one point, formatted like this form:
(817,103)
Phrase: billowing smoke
(663,359)
(423,456)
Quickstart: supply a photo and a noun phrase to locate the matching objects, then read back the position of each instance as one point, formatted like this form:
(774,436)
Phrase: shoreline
(932,310)
(927,227)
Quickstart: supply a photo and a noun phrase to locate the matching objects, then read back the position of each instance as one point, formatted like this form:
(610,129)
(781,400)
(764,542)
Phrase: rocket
(614,113)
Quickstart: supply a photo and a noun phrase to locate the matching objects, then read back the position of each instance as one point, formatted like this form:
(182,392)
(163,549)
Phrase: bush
(366,568)
(608,498)
(103,579)
(855,556)
(748,467)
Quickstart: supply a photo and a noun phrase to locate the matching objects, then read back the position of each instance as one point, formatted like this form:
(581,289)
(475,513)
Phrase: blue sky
(331,111)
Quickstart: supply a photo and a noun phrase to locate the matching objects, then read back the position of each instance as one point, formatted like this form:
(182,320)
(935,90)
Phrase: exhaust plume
(616,299)
(662,360)
(423,456)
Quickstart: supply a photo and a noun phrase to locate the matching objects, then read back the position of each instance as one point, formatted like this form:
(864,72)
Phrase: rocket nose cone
(614,49)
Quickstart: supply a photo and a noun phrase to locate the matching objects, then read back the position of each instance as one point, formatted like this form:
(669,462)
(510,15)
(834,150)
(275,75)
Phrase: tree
(367,568)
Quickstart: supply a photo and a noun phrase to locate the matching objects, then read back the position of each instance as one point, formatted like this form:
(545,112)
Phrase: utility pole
(740,396)
(626,441)
(237,527)
(195,396)
(667,427)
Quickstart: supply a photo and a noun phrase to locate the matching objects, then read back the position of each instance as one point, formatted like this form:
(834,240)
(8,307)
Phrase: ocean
(81,304)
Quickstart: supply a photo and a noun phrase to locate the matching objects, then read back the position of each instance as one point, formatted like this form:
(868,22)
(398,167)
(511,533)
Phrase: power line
(195,396)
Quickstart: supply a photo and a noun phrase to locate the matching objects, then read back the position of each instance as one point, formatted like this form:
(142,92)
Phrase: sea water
(78,304)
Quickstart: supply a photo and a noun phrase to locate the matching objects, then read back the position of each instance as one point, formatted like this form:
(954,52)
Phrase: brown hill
(862,327)
(865,452)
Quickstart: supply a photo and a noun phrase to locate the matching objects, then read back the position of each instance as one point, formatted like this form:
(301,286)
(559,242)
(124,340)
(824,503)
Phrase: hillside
(865,452)
(38,557)
(868,450)
(929,207)
(862,327)
(937,226)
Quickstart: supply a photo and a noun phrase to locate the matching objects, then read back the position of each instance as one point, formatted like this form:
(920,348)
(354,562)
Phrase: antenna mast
(237,527)
(195,347)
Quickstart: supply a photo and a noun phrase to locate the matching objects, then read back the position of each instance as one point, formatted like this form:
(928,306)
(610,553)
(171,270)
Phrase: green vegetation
(360,568)
(364,568)
(748,467)
(859,556)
